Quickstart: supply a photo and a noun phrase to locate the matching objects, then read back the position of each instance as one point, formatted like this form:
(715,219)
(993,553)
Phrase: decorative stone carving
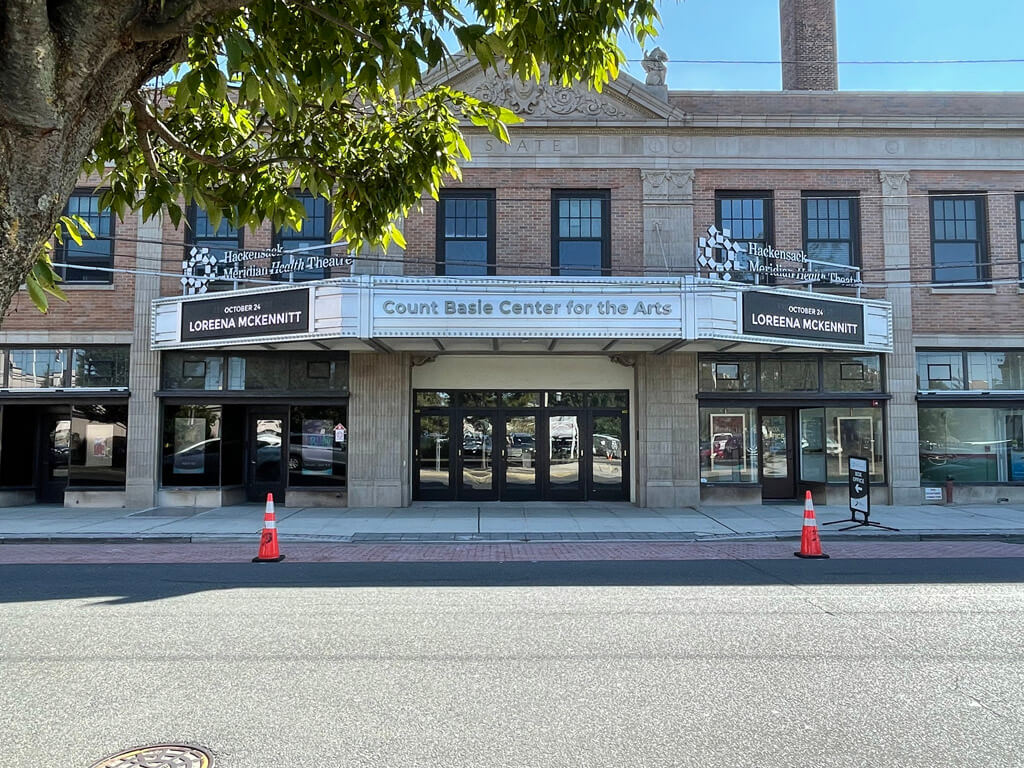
(534,99)
(654,65)
(670,185)
(894,183)
(626,361)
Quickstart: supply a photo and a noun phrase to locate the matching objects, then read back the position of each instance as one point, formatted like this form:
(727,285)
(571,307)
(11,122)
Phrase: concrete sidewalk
(536,521)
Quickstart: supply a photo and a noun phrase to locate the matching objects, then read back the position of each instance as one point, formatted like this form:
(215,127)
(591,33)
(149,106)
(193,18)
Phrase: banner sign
(860,499)
(204,266)
(260,314)
(769,314)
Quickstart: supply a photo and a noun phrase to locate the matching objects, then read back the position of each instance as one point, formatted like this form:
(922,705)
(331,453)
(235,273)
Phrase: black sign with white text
(860,487)
(770,314)
(258,314)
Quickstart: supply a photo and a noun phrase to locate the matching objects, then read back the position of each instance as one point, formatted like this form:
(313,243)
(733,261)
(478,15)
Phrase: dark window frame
(964,392)
(277,238)
(604,195)
(190,241)
(67,356)
(62,249)
(983,262)
(441,240)
(1019,199)
(853,197)
(821,392)
(767,197)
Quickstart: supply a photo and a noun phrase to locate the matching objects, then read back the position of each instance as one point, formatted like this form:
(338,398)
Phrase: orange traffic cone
(269,552)
(810,544)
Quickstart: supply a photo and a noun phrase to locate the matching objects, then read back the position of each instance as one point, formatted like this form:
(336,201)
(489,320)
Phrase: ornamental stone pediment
(624,100)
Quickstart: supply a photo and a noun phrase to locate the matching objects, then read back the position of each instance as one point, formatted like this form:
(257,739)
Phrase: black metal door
(267,450)
(522,462)
(778,457)
(54,456)
(432,465)
(476,458)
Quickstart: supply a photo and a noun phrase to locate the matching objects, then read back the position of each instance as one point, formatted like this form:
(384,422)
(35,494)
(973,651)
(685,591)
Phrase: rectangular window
(726,376)
(937,370)
(581,233)
(1020,235)
(314,230)
(317,372)
(35,368)
(971,445)
(831,228)
(854,373)
(465,233)
(217,240)
(958,239)
(192,370)
(93,252)
(318,446)
(105,367)
(98,445)
(812,445)
(258,372)
(191,445)
(781,375)
(995,371)
(728,445)
(748,218)
(854,432)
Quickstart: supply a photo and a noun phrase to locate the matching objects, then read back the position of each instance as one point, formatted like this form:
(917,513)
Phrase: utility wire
(841,62)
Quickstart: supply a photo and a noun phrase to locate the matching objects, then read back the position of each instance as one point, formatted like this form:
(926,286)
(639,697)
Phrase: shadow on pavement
(131,583)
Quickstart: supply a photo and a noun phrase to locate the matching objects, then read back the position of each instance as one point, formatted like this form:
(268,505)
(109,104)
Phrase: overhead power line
(779,62)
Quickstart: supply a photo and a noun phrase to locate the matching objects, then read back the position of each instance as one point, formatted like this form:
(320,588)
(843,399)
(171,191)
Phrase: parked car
(608,446)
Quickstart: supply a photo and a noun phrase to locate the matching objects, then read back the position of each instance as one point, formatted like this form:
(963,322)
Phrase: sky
(868,30)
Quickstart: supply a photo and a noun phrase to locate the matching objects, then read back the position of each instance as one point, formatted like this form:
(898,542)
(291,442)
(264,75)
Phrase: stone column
(901,368)
(144,373)
(667,421)
(380,410)
(668,222)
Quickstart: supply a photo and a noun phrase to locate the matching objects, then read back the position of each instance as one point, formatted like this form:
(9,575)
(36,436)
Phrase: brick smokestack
(809,45)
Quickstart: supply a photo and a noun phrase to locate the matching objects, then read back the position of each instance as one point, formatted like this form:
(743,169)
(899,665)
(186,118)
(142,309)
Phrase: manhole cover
(159,756)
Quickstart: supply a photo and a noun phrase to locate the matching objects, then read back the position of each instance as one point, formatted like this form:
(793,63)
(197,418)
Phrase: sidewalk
(536,521)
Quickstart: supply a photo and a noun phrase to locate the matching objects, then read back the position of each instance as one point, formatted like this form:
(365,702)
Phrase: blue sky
(868,30)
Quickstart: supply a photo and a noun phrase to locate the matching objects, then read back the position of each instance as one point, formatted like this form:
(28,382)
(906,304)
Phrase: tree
(234,105)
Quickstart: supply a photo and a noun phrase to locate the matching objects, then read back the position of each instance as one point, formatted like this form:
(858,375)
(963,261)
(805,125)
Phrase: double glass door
(515,453)
(266,442)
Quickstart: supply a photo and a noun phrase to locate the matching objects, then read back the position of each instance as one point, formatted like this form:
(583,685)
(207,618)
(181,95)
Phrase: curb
(1012,537)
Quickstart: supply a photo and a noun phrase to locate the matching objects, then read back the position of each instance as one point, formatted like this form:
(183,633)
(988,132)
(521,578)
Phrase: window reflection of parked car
(519,443)
(191,459)
(725,445)
(607,446)
(319,459)
(475,442)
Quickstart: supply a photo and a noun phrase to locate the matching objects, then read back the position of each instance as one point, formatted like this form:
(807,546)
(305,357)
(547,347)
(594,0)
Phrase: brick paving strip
(491,552)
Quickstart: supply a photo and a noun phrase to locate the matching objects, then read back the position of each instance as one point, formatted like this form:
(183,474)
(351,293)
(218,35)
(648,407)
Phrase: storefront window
(608,399)
(940,371)
(521,399)
(782,375)
(428,399)
(98,445)
(728,445)
(99,367)
(258,372)
(479,399)
(856,373)
(726,376)
(313,372)
(192,370)
(995,370)
(854,432)
(318,446)
(36,368)
(812,445)
(566,399)
(971,445)
(191,445)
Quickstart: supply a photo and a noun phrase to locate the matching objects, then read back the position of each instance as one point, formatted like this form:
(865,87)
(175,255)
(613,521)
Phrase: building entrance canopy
(532,314)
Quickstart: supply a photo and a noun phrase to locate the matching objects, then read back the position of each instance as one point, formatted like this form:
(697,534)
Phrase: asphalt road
(710,663)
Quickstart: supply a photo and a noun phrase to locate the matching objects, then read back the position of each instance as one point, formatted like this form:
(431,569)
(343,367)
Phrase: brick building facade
(383,396)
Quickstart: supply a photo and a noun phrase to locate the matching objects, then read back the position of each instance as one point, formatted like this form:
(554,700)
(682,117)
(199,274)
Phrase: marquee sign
(771,314)
(722,258)
(264,314)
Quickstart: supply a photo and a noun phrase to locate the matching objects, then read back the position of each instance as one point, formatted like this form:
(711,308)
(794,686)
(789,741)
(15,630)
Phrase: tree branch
(338,22)
(182,23)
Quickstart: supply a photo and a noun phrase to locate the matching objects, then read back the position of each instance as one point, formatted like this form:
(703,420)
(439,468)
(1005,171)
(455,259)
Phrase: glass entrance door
(55,438)
(519,460)
(267,444)
(475,467)
(432,478)
(778,478)
(566,443)
(609,457)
